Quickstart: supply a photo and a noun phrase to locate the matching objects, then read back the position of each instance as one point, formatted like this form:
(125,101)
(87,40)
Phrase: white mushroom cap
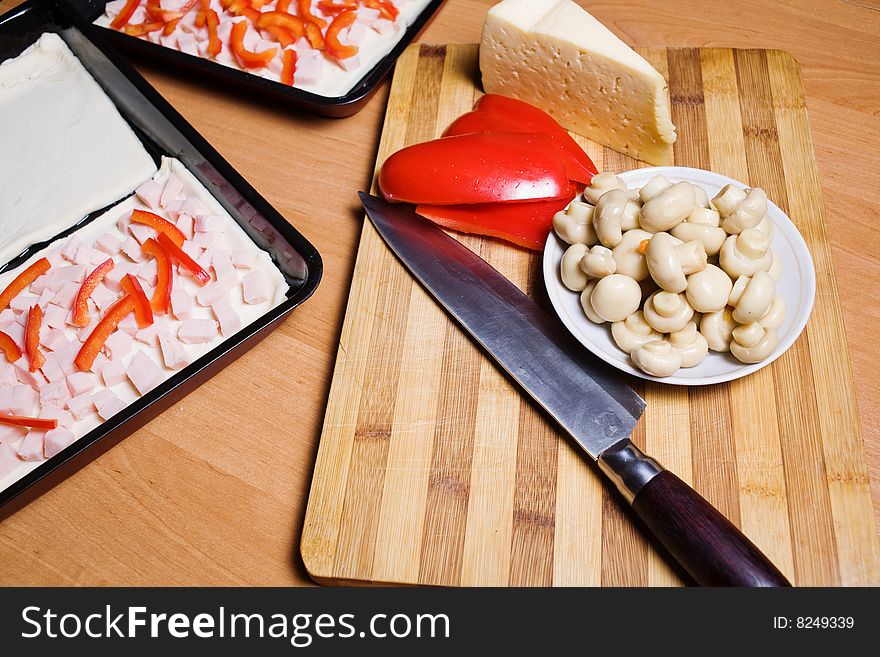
(630,218)
(746,253)
(633,332)
(751,297)
(691,344)
(727,199)
(616,297)
(573,277)
(707,216)
(601,183)
(587,304)
(653,187)
(763,342)
(766,226)
(748,213)
(708,290)
(670,262)
(657,358)
(717,327)
(776,268)
(668,208)
(574,225)
(711,237)
(701,198)
(667,312)
(598,262)
(775,315)
(630,261)
(608,217)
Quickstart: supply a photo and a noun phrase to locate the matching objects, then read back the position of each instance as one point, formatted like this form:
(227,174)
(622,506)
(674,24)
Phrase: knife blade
(584,396)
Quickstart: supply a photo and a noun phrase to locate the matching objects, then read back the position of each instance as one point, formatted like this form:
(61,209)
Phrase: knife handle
(706,544)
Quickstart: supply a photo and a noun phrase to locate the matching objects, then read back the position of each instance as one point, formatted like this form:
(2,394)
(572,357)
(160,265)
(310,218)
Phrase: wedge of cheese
(553,54)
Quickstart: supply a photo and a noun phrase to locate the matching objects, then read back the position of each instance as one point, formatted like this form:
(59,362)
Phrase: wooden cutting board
(433,469)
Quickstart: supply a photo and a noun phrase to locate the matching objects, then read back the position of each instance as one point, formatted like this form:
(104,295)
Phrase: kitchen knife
(588,400)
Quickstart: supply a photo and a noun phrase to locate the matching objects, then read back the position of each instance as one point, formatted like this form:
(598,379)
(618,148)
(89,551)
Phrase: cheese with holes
(553,54)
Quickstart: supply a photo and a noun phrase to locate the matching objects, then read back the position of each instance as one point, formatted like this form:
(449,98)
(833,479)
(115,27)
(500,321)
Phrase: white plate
(797,286)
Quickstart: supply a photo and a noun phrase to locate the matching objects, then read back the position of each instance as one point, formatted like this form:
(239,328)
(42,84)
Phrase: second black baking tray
(337,107)
(162,131)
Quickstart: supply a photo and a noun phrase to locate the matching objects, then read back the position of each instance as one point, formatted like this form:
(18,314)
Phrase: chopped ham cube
(147,335)
(185,225)
(16,332)
(211,292)
(7,317)
(23,302)
(210,223)
(118,345)
(113,373)
(173,353)
(149,272)
(256,287)
(18,400)
(40,283)
(192,249)
(149,193)
(212,240)
(230,322)
(144,373)
(54,394)
(81,405)
(197,331)
(84,255)
(57,440)
(56,316)
(173,190)
(7,374)
(8,459)
(115,275)
(109,244)
(66,295)
(68,251)
(103,297)
(204,261)
(100,361)
(34,380)
(243,259)
(31,448)
(80,383)
(64,418)
(45,298)
(141,232)
(61,275)
(129,324)
(54,340)
(224,269)
(107,403)
(67,355)
(195,207)
(132,248)
(173,209)
(181,304)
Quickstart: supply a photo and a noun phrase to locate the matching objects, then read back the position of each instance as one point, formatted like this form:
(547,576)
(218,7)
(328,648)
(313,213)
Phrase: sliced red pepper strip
(21,281)
(125,15)
(305,12)
(39,423)
(496,113)
(523,224)
(282,36)
(386,9)
(183,258)
(288,67)
(92,346)
(247,58)
(143,311)
(329,7)
(212,20)
(313,34)
(161,301)
(282,5)
(143,28)
(292,24)
(476,168)
(32,338)
(202,15)
(81,315)
(7,344)
(332,45)
(159,224)
(170,26)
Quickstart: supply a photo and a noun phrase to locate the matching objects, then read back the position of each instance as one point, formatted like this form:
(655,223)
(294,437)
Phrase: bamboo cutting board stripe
(434,469)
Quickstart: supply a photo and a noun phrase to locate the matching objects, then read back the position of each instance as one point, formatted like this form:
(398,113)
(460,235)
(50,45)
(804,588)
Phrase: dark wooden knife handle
(703,541)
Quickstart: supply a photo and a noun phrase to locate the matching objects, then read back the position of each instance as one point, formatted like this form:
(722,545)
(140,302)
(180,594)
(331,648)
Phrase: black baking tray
(163,132)
(337,107)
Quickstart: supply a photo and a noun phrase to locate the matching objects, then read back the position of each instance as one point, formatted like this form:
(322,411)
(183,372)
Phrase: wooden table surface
(213,491)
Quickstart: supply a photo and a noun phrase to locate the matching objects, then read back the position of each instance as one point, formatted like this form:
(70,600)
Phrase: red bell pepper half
(39,423)
(8,346)
(143,311)
(89,351)
(185,261)
(523,224)
(486,167)
(81,315)
(494,113)
(32,338)
(158,224)
(21,281)
(161,301)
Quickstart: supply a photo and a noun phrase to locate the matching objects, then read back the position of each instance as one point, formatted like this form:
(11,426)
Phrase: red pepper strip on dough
(181,256)
(494,113)
(282,36)
(89,351)
(143,311)
(387,9)
(125,15)
(214,44)
(39,423)
(8,346)
(476,168)
(32,338)
(202,15)
(143,28)
(21,281)
(282,5)
(288,67)
(159,224)
(247,58)
(305,12)
(81,316)
(161,301)
(292,24)
(332,45)
(329,7)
